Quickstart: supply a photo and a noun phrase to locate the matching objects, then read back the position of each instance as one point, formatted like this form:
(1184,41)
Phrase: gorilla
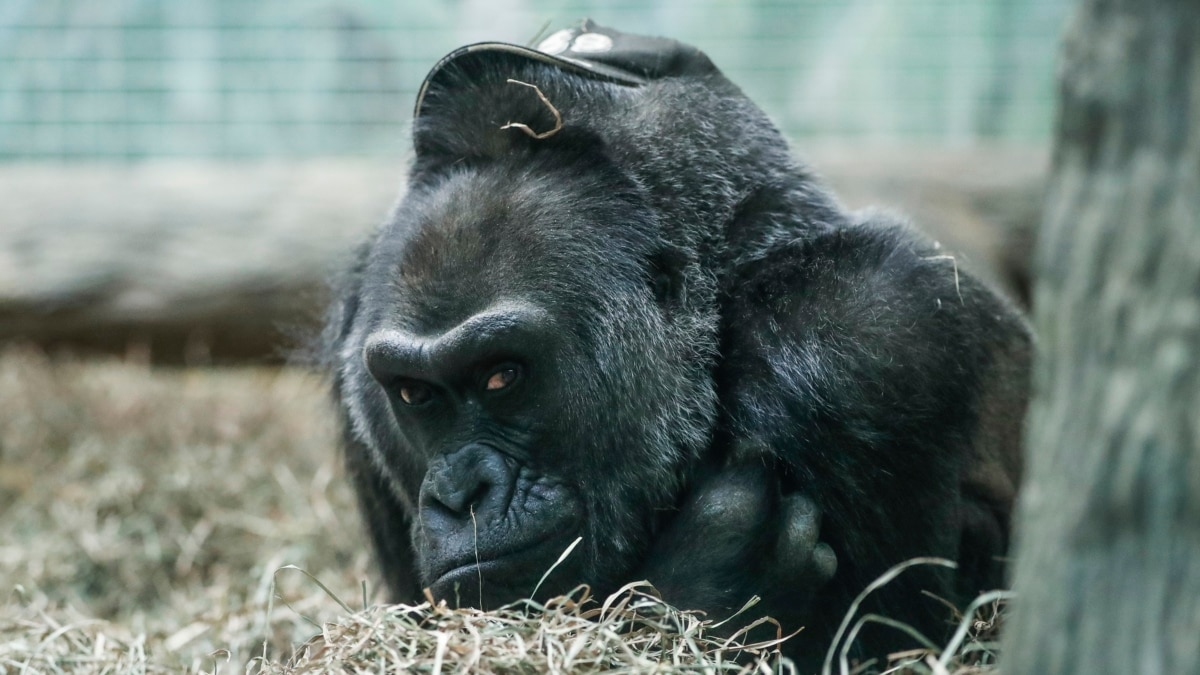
(612,306)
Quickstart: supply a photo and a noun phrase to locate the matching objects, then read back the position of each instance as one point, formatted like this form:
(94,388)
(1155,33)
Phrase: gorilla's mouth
(503,576)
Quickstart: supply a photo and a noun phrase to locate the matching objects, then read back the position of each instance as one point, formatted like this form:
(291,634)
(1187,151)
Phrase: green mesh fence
(132,79)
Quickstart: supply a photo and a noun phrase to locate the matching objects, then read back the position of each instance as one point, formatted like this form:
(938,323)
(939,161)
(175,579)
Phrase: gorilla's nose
(475,481)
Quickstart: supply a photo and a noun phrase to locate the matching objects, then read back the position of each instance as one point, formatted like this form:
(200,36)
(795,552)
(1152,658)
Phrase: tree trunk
(1108,557)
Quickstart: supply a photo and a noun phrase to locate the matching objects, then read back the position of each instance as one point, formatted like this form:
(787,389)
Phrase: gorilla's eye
(415,393)
(502,378)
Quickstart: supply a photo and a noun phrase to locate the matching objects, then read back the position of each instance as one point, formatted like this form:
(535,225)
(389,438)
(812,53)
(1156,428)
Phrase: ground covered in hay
(196,520)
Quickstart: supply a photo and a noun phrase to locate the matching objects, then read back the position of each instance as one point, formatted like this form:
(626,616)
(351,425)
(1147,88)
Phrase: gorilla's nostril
(460,502)
(475,498)
(473,481)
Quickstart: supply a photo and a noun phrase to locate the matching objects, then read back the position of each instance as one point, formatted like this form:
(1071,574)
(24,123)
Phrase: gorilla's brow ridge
(467,337)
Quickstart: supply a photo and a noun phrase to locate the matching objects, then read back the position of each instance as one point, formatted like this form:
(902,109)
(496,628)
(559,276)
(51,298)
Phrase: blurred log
(193,261)
(188,261)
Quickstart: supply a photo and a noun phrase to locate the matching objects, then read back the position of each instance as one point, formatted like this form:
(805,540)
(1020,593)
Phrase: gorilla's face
(518,391)
(476,401)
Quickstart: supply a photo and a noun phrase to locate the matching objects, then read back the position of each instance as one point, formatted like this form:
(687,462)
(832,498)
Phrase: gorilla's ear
(668,277)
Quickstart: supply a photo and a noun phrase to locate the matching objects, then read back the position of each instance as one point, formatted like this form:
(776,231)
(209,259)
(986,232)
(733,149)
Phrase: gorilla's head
(520,353)
(525,353)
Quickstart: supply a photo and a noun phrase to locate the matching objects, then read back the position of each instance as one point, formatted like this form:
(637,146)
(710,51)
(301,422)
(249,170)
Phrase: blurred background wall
(182,177)
(134,79)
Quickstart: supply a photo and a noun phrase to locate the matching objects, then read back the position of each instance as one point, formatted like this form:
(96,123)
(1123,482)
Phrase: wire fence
(134,79)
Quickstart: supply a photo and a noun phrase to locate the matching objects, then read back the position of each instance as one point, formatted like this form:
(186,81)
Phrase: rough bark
(1108,560)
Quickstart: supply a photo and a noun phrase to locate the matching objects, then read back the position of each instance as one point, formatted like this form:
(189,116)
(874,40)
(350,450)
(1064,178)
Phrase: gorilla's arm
(869,372)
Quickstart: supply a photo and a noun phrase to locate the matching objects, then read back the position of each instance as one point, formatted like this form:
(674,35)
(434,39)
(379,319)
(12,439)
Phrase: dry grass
(149,520)
(162,503)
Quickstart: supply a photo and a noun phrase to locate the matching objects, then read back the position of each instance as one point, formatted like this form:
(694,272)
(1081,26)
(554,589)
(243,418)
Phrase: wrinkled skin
(655,331)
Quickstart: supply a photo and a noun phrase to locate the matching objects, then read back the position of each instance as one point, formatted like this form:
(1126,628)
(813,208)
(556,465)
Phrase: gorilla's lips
(500,577)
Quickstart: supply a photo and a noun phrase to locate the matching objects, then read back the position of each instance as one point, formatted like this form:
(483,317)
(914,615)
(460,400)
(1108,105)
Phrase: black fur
(727,383)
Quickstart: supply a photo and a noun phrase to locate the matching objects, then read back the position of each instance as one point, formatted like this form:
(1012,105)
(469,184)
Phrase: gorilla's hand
(736,536)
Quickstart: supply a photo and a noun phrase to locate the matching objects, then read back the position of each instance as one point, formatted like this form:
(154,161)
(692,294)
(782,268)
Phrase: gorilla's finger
(735,499)
(801,522)
(824,562)
(798,553)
